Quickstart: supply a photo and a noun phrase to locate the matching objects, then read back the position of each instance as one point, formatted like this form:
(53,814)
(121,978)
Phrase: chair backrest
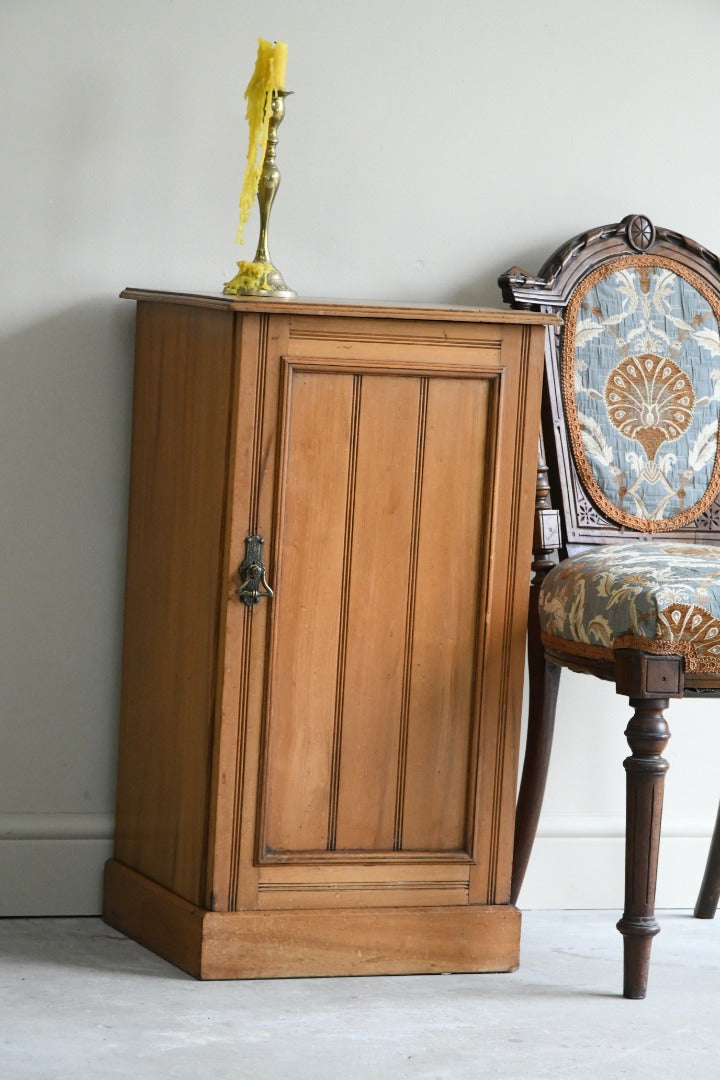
(632,395)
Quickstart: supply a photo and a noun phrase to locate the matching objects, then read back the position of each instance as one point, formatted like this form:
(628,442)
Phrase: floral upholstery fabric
(658,596)
(641,378)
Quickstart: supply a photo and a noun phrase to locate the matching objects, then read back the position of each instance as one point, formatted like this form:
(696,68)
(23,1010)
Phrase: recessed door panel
(373,667)
(451,567)
(306,610)
(380,572)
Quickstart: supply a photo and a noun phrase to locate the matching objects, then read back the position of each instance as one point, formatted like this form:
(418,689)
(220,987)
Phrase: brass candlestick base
(261,277)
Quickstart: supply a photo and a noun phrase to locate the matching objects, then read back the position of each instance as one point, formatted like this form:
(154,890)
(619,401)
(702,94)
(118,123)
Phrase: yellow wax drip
(268,77)
(251,278)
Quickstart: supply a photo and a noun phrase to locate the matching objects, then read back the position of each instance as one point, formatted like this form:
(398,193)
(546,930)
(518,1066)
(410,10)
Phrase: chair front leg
(709,895)
(647,734)
(649,681)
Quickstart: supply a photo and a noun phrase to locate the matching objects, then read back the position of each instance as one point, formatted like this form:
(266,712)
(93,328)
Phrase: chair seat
(655,596)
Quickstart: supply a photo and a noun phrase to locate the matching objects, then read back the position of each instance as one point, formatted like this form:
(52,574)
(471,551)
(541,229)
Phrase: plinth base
(289,944)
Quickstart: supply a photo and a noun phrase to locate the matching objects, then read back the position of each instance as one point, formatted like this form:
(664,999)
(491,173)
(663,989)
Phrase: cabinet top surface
(351,308)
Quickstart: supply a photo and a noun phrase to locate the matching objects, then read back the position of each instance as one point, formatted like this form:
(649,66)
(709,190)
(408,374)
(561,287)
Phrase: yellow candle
(268,76)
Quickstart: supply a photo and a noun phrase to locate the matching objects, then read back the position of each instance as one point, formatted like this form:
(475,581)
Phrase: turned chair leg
(544,682)
(647,734)
(709,894)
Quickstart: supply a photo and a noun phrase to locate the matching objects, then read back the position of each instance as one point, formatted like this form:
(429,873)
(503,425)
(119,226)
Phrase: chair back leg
(709,895)
(544,682)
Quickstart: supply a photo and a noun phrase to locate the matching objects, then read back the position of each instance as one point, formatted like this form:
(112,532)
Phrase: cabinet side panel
(182,401)
(452,552)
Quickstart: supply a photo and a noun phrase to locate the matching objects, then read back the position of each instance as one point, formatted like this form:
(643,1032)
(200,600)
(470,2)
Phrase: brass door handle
(253,582)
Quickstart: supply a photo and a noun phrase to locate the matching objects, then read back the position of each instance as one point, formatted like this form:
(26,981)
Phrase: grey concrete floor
(79,1001)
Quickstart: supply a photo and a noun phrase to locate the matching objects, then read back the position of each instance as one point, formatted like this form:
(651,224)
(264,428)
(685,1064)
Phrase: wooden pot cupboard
(329,545)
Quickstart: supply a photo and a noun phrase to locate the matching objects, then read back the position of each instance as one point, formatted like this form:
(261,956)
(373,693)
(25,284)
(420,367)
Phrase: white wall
(428,147)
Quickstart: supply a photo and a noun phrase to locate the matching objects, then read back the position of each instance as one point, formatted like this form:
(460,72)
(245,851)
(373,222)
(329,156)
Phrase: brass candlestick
(261,277)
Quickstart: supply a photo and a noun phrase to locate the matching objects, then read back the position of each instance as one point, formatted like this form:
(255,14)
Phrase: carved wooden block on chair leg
(642,677)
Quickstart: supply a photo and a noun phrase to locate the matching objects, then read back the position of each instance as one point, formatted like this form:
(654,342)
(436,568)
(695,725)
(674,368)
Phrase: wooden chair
(630,436)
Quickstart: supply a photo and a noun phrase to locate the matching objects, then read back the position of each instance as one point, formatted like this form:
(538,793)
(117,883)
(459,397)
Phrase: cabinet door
(366,700)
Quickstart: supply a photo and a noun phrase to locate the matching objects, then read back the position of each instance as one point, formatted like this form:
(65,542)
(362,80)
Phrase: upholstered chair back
(633,383)
(641,386)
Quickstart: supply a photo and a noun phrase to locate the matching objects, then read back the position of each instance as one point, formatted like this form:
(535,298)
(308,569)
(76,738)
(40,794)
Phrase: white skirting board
(579,862)
(52,864)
